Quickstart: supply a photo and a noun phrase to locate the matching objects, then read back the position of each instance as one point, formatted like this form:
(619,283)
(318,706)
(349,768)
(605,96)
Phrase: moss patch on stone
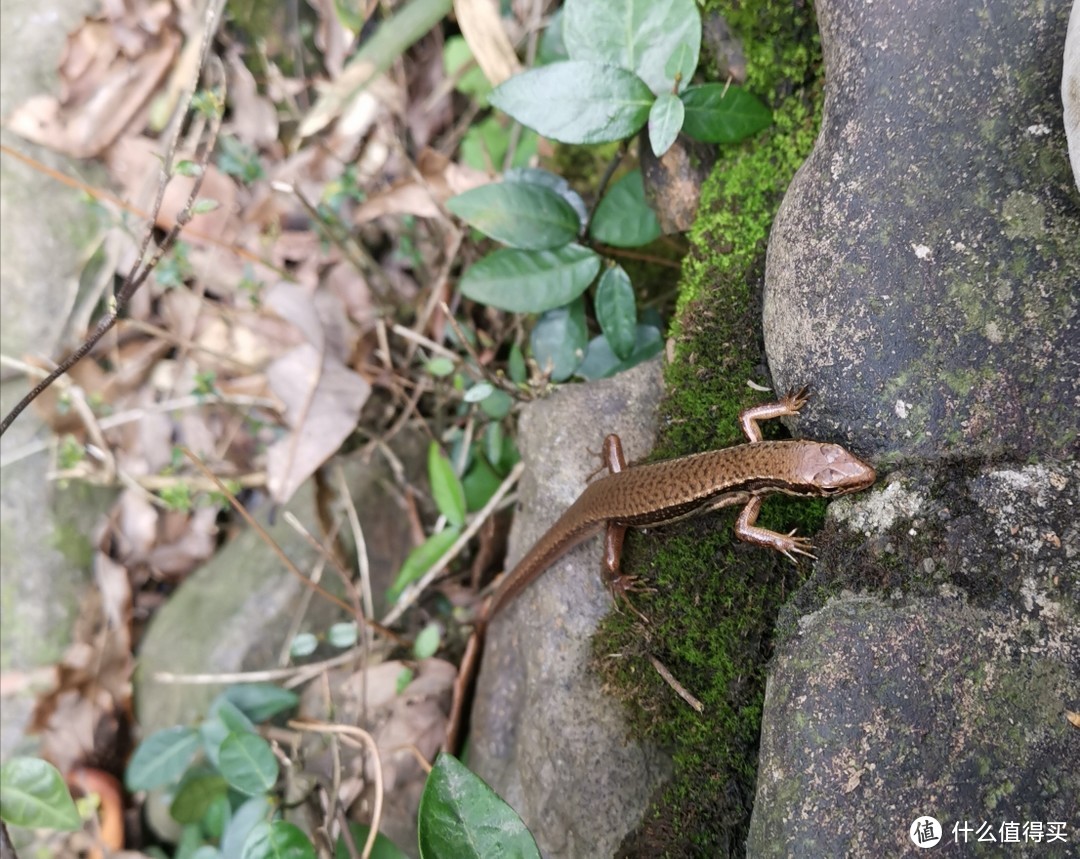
(715,601)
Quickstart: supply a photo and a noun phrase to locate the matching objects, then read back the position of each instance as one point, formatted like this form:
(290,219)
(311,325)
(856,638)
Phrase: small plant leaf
(277,840)
(551,181)
(421,558)
(616,311)
(718,113)
(479,392)
(261,701)
(601,361)
(342,635)
(427,642)
(161,758)
(665,121)
(222,719)
(33,794)
(384,848)
(461,816)
(530,281)
(195,796)
(623,219)
(446,487)
(247,762)
(252,812)
(303,644)
(639,35)
(480,483)
(576,102)
(519,214)
(558,340)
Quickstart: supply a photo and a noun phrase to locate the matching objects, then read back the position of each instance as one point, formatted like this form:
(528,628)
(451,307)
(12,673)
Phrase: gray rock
(544,735)
(945,696)
(46,233)
(234,613)
(1070,91)
(923,271)
(923,268)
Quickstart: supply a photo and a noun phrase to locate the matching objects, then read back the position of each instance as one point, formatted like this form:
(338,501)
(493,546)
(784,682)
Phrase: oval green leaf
(420,560)
(616,311)
(277,840)
(665,121)
(576,102)
(551,181)
(161,758)
(261,701)
(303,644)
(601,361)
(251,813)
(195,796)
(639,35)
(530,281)
(427,642)
(33,794)
(342,635)
(623,219)
(519,214)
(445,486)
(461,816)
(558,340)
(247,762)
(719,113)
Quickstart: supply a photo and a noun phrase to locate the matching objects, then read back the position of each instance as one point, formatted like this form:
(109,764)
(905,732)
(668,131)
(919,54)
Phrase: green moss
(715,602)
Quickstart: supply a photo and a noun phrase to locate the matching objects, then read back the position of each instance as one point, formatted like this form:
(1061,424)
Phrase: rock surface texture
(544,736)
(923,272)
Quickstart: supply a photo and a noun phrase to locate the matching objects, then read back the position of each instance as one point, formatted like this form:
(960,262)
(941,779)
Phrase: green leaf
(203,206)
(445,487)
(222,719)
(616,311)
(485,144)
(217,817)
(33,794)
(639,35)
(479,392)
(720,113)
(665,121)
(480,484)
(252,812)
(460,816)
(623,219)
(530,281)
(601,361)
(427,642)
(576,102)
(559,339)
(456,55)
(515,365)
(161,758)
(498,405)
(552,48)
(440,366)
(420,560)
(303,644)
(519,214)
(383,848)
(551,181)
(277,840)
(195,796)
(342,635)
(261,701)
(248,763)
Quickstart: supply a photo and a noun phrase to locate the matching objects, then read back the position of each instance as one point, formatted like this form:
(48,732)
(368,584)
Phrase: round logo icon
(925,831)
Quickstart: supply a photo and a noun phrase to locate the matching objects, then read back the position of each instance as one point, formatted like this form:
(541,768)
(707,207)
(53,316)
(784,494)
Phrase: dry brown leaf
(442,179)
(186,541)
(253,118)
(1074,718)
(322,400)
(482,26)
(135,163)
(108,74)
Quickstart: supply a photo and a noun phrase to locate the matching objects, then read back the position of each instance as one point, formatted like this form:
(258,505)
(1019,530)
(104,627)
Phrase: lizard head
(834,470)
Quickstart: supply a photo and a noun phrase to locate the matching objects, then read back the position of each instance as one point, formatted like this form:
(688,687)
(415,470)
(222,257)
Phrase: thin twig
(680,690)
